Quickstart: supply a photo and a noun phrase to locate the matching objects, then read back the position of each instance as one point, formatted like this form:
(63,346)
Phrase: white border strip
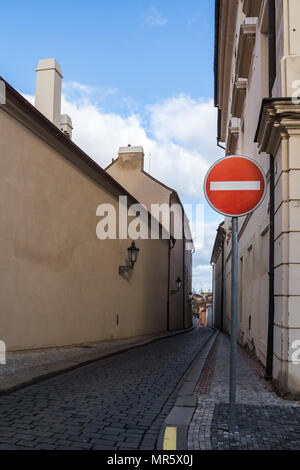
(235,186)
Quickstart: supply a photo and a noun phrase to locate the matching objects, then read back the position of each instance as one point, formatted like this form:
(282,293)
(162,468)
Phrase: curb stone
(185,405)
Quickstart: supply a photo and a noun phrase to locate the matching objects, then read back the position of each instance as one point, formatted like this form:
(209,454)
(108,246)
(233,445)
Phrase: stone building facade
(257,83)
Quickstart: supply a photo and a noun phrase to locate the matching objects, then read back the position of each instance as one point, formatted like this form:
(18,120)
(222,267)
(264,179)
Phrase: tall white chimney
(48,89)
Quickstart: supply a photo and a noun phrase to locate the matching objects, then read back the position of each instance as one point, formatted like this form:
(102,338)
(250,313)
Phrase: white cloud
(155,18)
(187,121)
(179,134)
(100,134)
(202,273)
(85,94)
(73,85)
(184,131)
(202,277)
(29,98)
(180,138)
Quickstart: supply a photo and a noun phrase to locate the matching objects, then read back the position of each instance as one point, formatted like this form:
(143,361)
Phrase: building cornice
(238,98)
(225,23)
(279,118)
(245,50)
(252,8)
(263,20)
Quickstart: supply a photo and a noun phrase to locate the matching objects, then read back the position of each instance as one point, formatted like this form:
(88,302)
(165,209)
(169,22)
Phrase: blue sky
(135,71)
(150,50)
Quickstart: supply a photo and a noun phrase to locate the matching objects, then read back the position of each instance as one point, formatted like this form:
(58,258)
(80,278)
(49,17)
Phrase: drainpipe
(272,75)
(222,285)
(171,246)
(216,71)
(168,295)
(183,273)
(219,130)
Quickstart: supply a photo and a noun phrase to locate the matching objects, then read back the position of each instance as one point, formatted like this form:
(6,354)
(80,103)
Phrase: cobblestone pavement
(18,362)
(116,403)
(264,420)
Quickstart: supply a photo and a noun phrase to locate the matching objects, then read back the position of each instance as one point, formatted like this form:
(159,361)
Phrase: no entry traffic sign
(235,186)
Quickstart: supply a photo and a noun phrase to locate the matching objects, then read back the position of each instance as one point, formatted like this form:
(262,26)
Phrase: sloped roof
(20,108)
(172,192)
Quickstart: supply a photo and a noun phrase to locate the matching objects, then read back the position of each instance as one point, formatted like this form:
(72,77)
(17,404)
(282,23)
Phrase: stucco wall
(59,284)
(128,170)
(130,175)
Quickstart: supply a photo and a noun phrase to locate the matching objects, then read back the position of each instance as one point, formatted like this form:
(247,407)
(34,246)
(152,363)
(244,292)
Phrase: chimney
(66,125)
(48,89)
(131,158)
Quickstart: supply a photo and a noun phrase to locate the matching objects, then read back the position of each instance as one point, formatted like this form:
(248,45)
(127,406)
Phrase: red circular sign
(235,186)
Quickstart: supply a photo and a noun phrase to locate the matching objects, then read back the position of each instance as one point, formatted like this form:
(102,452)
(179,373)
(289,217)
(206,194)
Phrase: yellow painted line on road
(170,438)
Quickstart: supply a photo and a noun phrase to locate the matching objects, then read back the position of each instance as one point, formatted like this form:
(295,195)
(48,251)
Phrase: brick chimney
(131,158)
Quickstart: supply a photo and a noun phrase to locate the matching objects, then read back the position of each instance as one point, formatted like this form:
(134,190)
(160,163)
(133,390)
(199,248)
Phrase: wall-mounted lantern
(133,252)
(178,285)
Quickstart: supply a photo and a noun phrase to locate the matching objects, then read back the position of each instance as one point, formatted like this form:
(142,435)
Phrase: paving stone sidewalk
(264,420)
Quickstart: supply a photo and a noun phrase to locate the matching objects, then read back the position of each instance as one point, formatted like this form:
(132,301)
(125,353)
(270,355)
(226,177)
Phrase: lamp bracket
(175,291)
(125,269)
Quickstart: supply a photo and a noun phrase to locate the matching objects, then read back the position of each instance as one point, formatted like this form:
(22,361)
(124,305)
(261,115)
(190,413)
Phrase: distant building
(257,72)
(203,304)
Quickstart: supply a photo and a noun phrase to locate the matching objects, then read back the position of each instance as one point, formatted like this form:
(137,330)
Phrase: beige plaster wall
(59,284)
(128,171)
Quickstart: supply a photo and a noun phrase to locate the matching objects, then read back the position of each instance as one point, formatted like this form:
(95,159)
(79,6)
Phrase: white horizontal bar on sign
(235,186)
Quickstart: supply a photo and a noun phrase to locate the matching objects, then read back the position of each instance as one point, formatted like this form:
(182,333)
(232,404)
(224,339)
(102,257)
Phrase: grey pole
(234,314)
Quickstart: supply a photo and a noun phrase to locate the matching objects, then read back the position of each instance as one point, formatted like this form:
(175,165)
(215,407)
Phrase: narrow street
(116,403)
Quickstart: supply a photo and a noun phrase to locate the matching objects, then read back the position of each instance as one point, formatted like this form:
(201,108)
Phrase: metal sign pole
(234,315)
